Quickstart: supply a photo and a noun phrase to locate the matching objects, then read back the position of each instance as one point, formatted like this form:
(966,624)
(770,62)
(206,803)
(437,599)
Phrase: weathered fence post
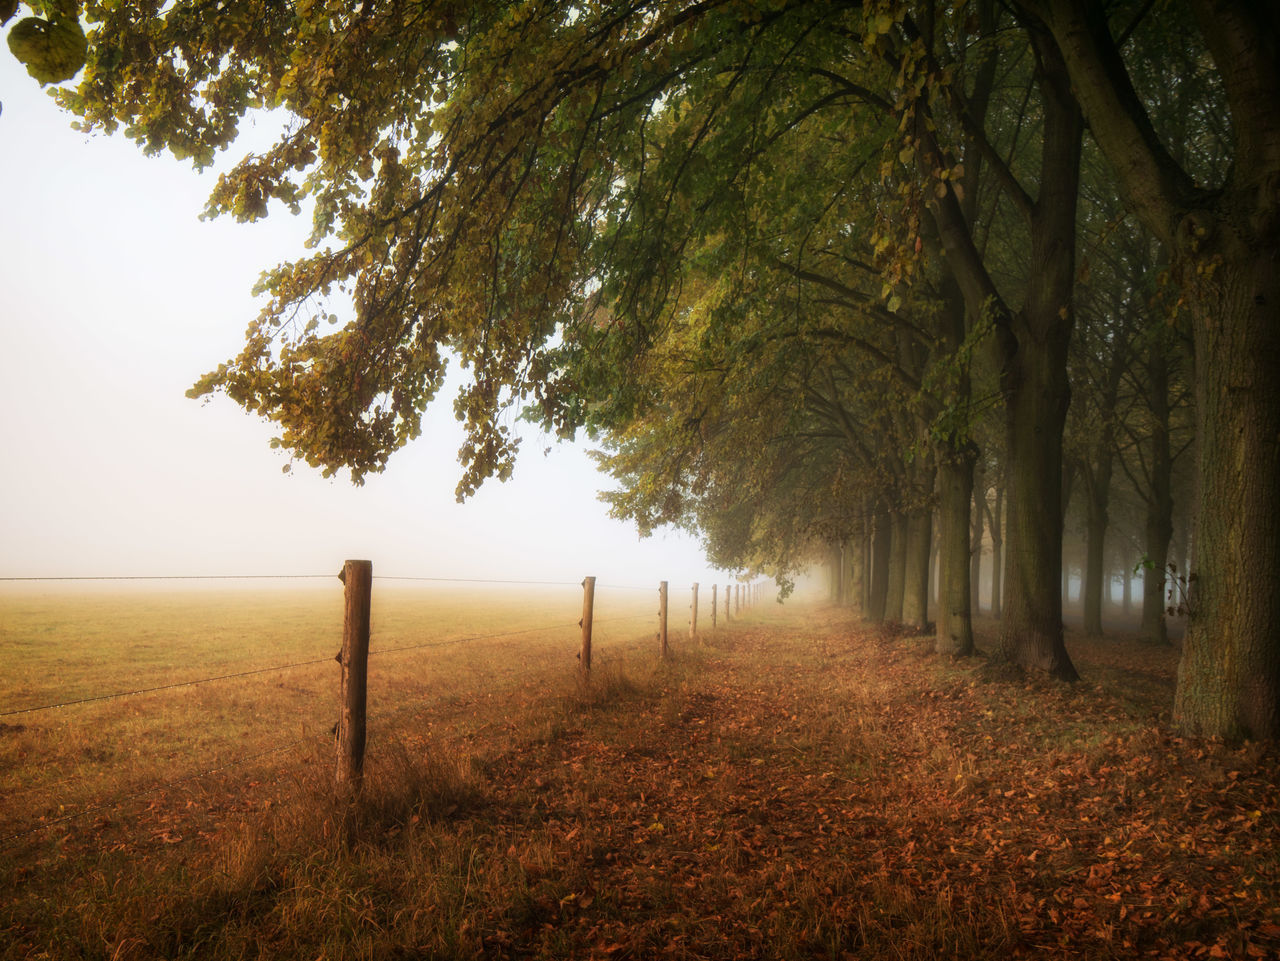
(693,613)
(713,607)
(588,612)
(662,617)
(357,578)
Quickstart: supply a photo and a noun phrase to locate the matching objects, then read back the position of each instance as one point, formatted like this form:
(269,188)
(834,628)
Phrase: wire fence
(152,788)
(98,805)
(161,687)
(171,577)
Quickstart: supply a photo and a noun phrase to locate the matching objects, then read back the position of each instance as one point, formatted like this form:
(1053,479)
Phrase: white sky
(114,298)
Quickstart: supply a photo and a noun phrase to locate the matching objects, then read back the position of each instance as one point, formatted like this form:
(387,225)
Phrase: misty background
(115,297)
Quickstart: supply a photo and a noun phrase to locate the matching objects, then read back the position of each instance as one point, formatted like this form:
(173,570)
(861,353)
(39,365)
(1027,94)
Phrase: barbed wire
(476,580)
(516,633)
(469,638)
(155,786)
(163,687)
(177,577)
(299,577)
(72,702)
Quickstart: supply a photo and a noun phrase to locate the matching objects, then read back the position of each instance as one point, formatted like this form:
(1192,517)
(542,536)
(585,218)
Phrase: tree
(1223,241)
(1030,340)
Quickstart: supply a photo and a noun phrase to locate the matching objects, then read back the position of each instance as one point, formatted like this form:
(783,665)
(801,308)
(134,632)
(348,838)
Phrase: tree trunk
(868,564)
(857,557)
(1033,382)
(1229,676)
(997,551)
(954,634)
(1159,522)
(975,538)
(1036,404)
(934,567)
(915,597)
(897,568)
(880,538)
(1098,494)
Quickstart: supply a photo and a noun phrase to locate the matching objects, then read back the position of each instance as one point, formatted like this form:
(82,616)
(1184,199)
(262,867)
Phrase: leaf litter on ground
(802,787)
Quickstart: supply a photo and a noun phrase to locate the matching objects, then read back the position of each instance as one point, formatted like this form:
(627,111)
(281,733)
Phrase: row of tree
(802,264)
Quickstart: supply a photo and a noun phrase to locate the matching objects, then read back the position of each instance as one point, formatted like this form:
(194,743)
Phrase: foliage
(52,50)
(491,180)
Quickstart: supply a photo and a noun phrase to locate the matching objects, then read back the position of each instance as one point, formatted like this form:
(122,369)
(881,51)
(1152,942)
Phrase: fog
(114,298)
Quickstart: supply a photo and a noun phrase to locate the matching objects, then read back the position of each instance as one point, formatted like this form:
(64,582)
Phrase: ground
(797,786)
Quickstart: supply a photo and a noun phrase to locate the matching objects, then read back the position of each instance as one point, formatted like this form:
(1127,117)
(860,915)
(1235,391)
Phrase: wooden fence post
(588,613)
(662,618)
(713,607)
(357,577)
(693,613)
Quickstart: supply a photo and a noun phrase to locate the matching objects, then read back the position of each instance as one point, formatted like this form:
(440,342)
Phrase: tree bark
(1097,471)
(1229,676)
(880,537)
(915,598)
(1159,520)
(954,633)
(1036,400)
(896,589)
(856,554)
(975,537)
(1098,496)
(997,551)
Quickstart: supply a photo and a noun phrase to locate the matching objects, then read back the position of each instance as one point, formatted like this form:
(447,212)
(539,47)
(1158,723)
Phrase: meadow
(210,675)
(790,785)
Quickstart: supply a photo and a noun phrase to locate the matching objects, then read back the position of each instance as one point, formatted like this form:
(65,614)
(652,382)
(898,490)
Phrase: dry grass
(435,653)
(792,787)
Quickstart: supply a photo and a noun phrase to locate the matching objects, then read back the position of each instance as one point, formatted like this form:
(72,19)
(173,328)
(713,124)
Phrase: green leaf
(52,51)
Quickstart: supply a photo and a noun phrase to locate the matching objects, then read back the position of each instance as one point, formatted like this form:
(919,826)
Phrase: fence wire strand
(473,637)
(475,580)
(178,577)
(156,786)
(163,687)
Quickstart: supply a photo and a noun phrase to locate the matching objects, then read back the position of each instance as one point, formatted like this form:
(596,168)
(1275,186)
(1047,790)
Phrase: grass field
(270,654)
(790,786)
